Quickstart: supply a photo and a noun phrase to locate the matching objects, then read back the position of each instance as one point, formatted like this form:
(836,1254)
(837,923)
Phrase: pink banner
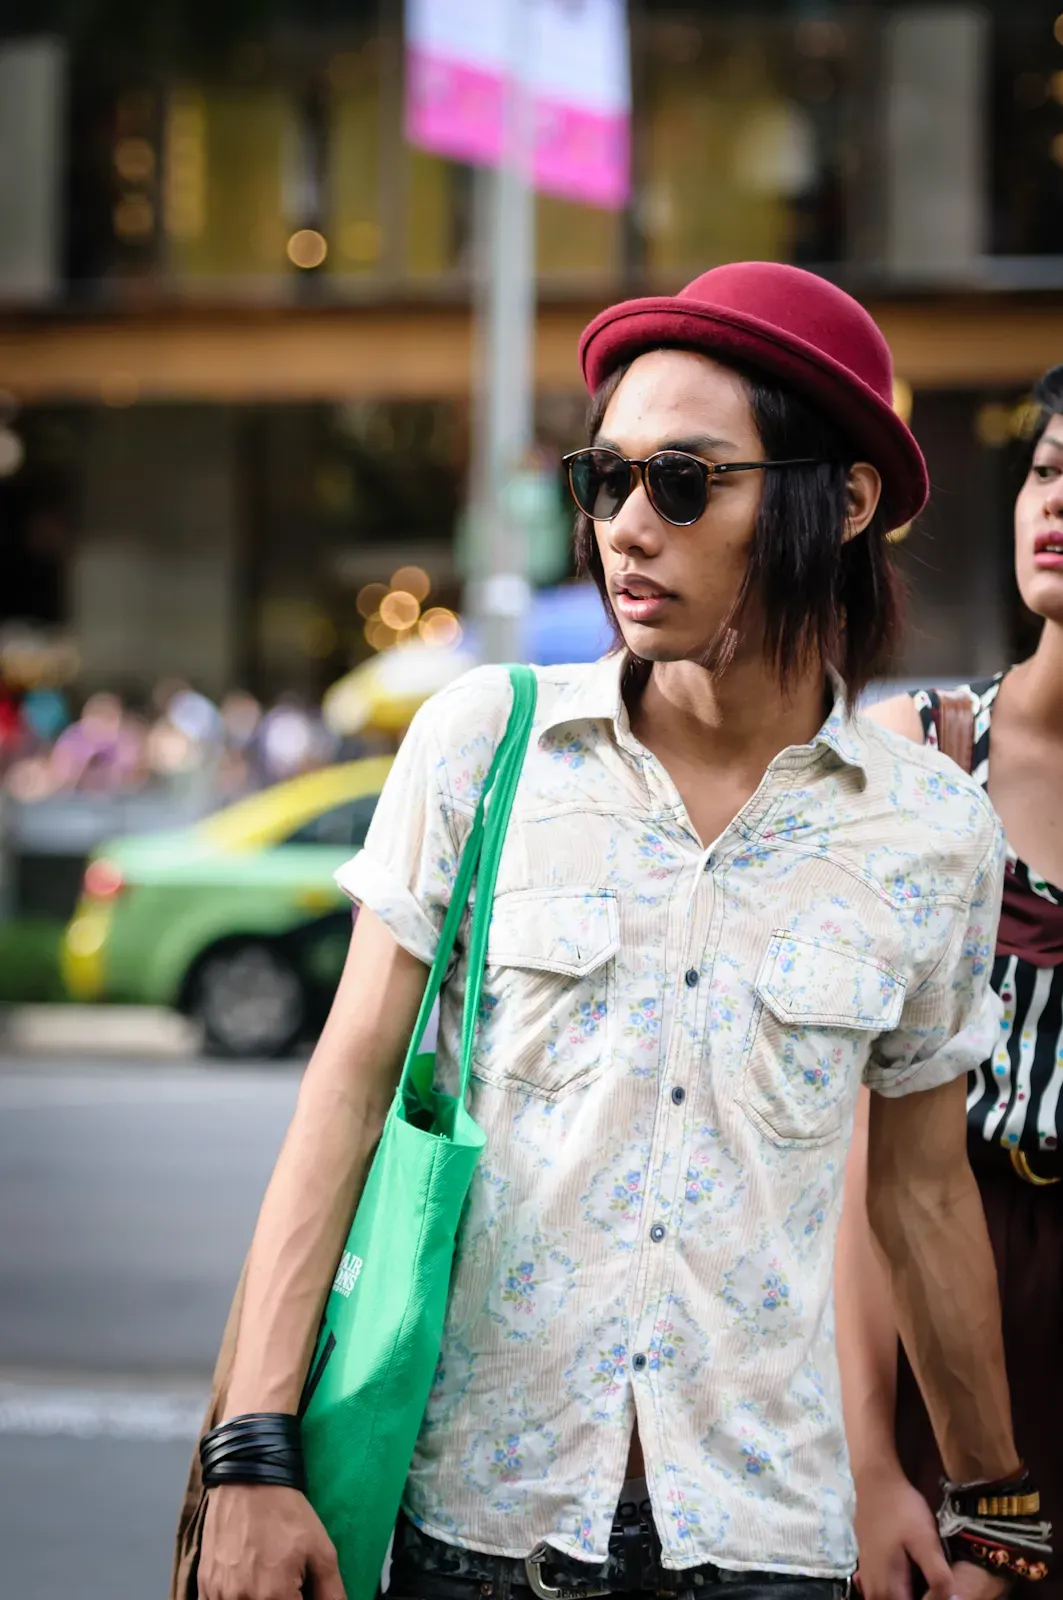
(582,155)
(453,110)
(574,61)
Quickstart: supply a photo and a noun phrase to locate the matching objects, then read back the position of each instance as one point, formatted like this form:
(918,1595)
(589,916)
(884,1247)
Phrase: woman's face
(672,588)
(1039,527)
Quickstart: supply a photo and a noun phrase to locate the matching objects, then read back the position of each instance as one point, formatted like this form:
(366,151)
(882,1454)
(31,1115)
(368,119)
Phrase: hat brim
(875,430)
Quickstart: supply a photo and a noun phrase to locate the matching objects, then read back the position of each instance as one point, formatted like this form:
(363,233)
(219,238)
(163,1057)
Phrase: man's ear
(864,493)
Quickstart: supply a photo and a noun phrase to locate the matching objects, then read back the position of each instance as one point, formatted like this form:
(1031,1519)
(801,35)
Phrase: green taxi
(235,921)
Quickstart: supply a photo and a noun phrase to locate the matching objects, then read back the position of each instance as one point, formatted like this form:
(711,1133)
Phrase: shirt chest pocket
(818,1011)
(548,1012)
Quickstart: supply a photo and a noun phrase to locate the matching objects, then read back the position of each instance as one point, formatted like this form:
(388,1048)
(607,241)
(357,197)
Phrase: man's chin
(650,645)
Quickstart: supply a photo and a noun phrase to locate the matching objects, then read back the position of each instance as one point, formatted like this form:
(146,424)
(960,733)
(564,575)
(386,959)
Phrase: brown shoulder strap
(954,716)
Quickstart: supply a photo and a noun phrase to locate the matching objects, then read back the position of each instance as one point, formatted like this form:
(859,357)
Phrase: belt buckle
(533,1567)
(1021,1162)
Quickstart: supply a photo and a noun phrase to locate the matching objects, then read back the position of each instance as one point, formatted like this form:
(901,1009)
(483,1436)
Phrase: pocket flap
(571,931)
(810,981)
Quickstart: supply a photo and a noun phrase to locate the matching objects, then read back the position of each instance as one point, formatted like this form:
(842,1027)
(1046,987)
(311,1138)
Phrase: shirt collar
(598,695)
(841,731)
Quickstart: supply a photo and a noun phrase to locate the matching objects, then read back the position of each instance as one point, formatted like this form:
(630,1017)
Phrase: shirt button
(692,977)
(657,1232)
(679,1094)
(638,1362)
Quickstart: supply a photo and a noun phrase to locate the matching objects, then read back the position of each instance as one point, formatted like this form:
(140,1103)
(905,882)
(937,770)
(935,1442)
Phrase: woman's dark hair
(822,597)
(1048,398)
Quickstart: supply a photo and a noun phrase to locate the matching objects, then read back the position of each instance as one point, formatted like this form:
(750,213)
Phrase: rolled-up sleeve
(405,873)
(951,1024)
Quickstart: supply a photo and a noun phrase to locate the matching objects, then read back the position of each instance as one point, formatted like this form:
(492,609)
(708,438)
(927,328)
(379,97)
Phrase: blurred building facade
(235,327)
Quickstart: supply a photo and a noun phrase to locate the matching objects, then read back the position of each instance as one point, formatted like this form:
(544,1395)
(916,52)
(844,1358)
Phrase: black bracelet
(261,1447)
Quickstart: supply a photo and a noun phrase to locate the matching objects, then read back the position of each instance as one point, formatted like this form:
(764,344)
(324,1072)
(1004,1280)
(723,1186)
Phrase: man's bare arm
(344,1099)
(866,1329)
(259,1542)
(926,1213)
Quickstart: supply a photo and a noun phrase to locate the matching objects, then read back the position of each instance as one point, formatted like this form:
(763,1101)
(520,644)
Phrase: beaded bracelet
(991,1525)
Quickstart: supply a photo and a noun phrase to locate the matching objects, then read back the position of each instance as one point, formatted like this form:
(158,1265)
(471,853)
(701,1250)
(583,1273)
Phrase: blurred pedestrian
(723,902)
(45,712)
(241,715)
(290,740)
(1007,730)
(103,751)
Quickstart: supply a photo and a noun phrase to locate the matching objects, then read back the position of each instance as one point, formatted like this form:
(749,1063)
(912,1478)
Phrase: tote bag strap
(483,849)
(500,804)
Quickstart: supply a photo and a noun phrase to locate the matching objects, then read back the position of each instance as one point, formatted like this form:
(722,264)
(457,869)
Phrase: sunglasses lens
(677,486)
(601,482)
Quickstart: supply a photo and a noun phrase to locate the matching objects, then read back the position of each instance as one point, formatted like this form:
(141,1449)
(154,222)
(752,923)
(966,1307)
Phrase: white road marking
(50,1411)
(77,1091)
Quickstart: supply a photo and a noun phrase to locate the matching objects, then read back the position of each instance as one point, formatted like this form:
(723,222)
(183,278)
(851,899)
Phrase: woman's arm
(259,1541)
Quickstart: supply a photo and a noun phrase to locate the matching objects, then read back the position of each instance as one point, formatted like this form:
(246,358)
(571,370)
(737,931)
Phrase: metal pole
(497,589)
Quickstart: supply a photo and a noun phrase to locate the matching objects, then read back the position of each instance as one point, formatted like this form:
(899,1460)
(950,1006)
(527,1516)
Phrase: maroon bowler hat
(791,325)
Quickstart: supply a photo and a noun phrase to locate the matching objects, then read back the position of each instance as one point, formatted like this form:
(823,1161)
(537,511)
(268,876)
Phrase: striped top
(1015,1097)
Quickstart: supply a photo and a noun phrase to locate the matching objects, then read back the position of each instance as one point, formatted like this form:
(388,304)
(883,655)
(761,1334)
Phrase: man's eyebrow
(697,444)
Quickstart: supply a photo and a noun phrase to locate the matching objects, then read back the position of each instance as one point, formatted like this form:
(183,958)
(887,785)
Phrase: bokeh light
(440,627)
(902,398)
(307,249)
(369,598)
(378,636)
(414,580)
(399,609)
(12,452)
(134,217)
(134,160)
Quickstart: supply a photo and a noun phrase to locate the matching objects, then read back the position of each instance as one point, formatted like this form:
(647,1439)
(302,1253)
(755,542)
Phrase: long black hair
(1048,398)
(823,597)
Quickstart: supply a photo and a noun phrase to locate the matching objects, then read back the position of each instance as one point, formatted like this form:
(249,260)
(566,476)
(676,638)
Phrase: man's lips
(640,588)
(640,599)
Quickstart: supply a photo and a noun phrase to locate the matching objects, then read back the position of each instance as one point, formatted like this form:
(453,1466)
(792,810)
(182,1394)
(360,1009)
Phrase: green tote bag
(376,1355)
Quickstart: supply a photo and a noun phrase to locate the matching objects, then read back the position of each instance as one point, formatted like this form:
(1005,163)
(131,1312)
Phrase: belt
(422,1565)
(1042,1169)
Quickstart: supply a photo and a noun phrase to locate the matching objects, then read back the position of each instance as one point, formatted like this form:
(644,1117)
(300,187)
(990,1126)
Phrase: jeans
(424,1568)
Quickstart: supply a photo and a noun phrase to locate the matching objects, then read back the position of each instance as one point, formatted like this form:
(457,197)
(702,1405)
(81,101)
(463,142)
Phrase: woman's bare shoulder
(899,715)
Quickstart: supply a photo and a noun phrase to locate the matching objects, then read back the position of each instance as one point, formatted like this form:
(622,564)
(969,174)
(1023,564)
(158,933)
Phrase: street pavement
(128,1192)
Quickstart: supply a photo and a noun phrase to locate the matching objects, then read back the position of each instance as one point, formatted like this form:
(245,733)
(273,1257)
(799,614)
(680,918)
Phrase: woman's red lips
(1048,550)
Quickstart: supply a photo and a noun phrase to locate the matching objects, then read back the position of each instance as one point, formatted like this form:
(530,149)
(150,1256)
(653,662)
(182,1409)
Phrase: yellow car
(235,921)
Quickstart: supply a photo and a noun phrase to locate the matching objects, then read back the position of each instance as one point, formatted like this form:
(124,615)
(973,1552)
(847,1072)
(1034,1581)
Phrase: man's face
(672,588)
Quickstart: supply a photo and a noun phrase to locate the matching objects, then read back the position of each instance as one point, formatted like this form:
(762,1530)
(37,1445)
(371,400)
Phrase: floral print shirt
(672,1038)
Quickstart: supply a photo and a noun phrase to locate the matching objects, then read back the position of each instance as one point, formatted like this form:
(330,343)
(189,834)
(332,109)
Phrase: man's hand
(261,1542)
(895,1527)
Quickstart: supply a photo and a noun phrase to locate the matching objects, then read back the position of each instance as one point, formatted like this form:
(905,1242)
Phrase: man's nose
(636,525)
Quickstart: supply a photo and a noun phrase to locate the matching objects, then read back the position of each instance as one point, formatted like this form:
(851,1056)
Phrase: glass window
(576,242)
(736,124)
(344,827)
(226,151)
(1027,130)
(354,225)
